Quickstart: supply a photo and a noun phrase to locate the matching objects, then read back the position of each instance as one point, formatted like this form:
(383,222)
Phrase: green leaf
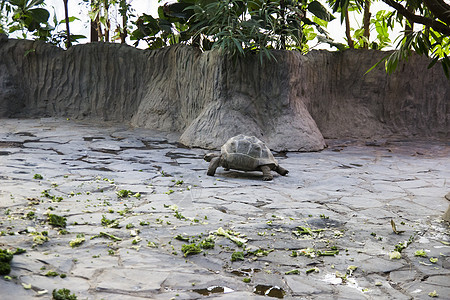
(175,12)
(71,19)
(35,3)
(165,25)
(40,15)
(19,3)
(421,253)
(317,9)
(395,255)
(394,228)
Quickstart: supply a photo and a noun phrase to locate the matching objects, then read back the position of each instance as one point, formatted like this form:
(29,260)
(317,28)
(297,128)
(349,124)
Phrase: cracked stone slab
(133,245)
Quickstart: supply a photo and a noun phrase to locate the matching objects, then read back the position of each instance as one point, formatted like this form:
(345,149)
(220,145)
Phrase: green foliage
(5,256)
(31,18)
(190,249)
(28,13)
(80,239)
(56,220)
(5,268)
(236,27)
(426,42)
(124,193)
(19,251)
(63,294)
(243,27)
(237,255)
(51,274)
(5,260)
(180,237)
(207,243)
(108,222)
(382,23)
(59,37)
(101,17)
(421,253)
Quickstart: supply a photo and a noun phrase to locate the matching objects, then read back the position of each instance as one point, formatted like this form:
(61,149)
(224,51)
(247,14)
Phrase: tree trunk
(66,14)
(94,26)
(347,30)
(123,10)
(409,27)
(282,14)
(366,22)
(107,21)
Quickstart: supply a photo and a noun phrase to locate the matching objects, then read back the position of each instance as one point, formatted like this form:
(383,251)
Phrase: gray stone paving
(340,200)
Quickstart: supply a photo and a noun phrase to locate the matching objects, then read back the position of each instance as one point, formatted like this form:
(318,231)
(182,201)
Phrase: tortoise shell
(246,153)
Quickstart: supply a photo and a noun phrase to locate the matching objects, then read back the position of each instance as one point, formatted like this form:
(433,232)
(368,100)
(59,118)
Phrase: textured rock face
(207,98)
(344,102)
(256,100)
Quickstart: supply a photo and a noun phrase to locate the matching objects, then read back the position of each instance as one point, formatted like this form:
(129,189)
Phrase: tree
(432,38)
(237,27)
(28,16)
(435,14)
(124,9)
(102,22)
(66,15)
(427,31)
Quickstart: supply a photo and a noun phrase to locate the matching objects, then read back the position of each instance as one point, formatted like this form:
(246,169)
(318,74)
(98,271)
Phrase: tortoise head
(209,156)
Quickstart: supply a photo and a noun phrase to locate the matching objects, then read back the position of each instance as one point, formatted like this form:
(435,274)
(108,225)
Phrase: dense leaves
(239,27)
(30,17)
(426,30)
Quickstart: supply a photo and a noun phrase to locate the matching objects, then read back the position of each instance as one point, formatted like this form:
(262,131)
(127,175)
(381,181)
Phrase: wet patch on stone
(325,223)
(245,272)
(4,144)
(24,133)
(269,290)
(213,290)
(91,138)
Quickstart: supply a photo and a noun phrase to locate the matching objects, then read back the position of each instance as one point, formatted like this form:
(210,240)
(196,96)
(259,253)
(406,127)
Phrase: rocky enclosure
(291,103)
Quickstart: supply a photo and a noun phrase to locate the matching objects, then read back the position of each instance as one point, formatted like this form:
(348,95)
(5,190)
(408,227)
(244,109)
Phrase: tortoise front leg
(281,171)
(267,175)
(213,165)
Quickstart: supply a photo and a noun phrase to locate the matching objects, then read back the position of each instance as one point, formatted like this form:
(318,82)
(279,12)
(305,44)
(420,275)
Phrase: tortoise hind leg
(267,175)
(280,170)
(213,165)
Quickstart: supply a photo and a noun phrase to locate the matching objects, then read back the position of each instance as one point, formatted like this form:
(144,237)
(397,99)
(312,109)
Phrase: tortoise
(245,153)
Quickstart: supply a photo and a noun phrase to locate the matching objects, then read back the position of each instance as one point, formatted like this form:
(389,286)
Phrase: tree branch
(440,9)
(366,22)
(347,30)
(435,24)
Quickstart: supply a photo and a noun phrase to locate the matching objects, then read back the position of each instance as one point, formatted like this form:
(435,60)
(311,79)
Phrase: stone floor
(111,212)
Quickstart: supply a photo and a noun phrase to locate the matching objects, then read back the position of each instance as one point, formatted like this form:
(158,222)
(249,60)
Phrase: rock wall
(413,101)
(289,103)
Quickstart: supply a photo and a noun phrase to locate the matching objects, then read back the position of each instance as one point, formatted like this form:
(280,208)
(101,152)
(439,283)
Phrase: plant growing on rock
(5,260)
(238,255)
(63,294)
(57,221)
(190,249)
